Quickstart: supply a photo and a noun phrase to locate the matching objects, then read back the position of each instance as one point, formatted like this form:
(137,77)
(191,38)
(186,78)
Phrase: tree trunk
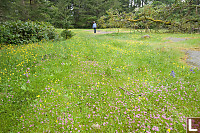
(23,3)
(142,2)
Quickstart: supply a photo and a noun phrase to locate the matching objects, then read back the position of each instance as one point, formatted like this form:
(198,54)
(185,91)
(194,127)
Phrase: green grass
(72,85)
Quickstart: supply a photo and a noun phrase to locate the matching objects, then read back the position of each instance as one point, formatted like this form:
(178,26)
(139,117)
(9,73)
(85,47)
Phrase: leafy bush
(67,34)
(19,32)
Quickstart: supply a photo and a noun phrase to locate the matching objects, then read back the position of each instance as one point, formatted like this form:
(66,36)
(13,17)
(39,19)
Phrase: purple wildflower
(192,70)
(172,74)
(28,81)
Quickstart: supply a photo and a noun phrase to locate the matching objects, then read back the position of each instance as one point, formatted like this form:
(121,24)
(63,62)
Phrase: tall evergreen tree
(84,12)
(4,9)
(61,13)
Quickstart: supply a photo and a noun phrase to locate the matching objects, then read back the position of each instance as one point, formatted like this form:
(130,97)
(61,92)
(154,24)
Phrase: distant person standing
(94,26)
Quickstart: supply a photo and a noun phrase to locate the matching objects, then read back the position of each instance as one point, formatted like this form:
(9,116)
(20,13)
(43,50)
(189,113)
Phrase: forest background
(81,13)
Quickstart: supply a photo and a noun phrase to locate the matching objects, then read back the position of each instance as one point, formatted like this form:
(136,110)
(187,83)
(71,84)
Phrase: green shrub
(67,34)
(19,32)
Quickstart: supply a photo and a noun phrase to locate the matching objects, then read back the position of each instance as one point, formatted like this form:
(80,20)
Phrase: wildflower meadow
(118,82)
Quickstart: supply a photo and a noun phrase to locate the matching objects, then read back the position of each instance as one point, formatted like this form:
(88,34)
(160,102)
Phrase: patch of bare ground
(192,55)
(193,58)
(101,32)
(175,39)
(107,32)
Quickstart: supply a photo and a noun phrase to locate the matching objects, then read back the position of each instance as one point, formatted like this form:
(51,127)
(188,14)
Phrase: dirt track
(193,56)
(101,32)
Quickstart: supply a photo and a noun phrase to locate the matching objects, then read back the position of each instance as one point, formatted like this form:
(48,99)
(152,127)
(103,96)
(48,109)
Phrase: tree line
(76,13)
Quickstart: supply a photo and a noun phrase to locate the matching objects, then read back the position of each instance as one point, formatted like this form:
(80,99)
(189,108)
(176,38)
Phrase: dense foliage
(181,17)
(81,14)
(19,32)
(66,34)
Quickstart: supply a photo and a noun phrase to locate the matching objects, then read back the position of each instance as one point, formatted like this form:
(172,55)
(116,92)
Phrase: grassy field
(116,82)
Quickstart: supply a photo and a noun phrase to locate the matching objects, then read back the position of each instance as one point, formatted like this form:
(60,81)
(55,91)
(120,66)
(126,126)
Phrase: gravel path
(173,39)
(193,56)
(105,32)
